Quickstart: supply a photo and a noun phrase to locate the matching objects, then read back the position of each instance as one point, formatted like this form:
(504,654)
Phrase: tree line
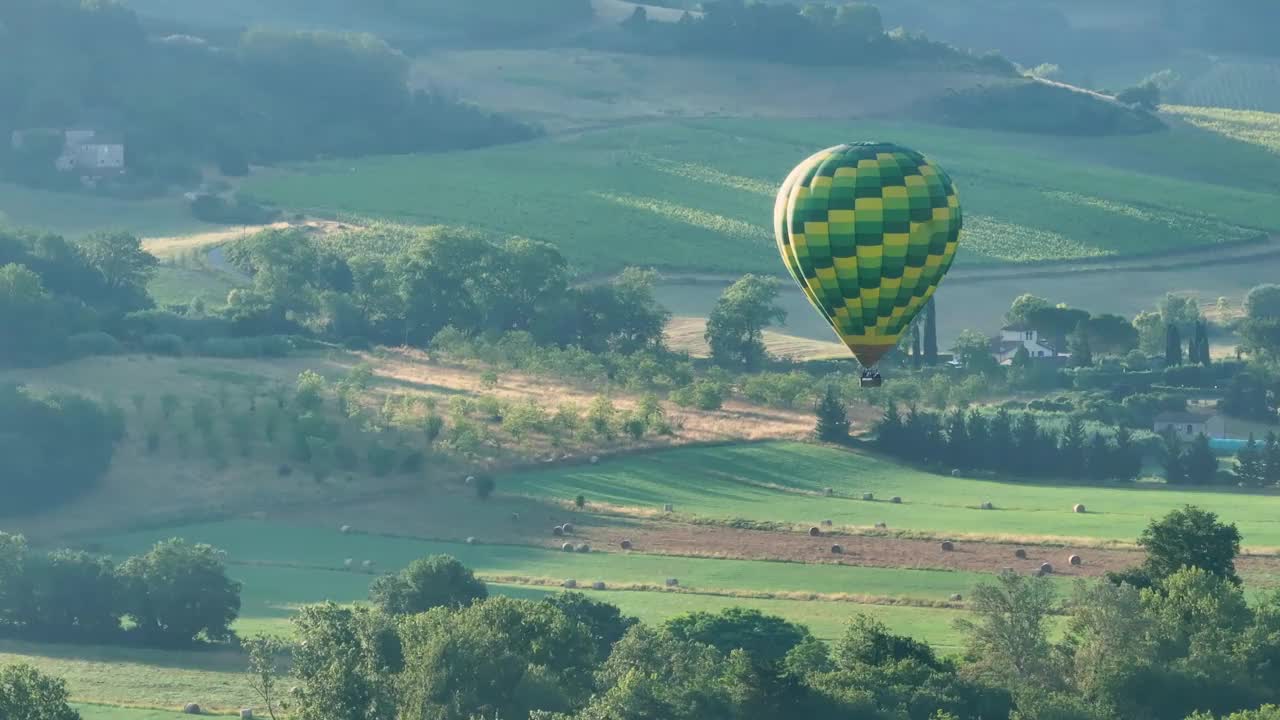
(1171,638)
(175,595)
(812,34)
(178,102)
(1008,442)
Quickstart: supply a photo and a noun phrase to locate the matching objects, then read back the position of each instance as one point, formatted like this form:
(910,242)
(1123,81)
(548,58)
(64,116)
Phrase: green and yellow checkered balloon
(868,230)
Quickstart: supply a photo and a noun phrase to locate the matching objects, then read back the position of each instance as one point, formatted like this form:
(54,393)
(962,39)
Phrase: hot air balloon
(868,230)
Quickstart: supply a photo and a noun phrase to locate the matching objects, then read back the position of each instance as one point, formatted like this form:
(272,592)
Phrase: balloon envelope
(868,230)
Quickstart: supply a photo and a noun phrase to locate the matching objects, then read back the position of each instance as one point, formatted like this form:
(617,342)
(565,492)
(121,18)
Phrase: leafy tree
(1145,96)
(1128,457)
(177,593)
(1260,327)
(652,674)
(1108,637)
(866,641)
(345,659)
(1019,313)
(1190,537)
(974,350)
(1071,448)
(1173,346)
(1175,469)
(125,267)
(1055,323)
(766,638)
(1151,332)
(28,694)
(435,581)
(264,653)
(70,596)
(1200,462)
(606,624)
(1182,311)
(1008,639)
(1078,346)
(833,418)
(958,447)
(736,325)
(1111,334)
(1099,458)
(1247,397)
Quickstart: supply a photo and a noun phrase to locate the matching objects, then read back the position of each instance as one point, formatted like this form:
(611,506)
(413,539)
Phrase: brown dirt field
(450,515)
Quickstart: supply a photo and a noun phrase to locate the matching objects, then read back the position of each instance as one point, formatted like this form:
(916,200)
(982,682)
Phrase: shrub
(93,343)
(484,486)
(703,394)
(163,345)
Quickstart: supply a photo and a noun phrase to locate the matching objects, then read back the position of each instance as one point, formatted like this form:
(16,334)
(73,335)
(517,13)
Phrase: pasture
(697,195)
(783,482)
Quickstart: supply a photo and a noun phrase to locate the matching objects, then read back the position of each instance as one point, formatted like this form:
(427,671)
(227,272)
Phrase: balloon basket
(871,380)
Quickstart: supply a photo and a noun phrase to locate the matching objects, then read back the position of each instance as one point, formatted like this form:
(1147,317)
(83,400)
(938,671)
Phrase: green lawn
(269,589)
(744,481)
(110,712)
(697,195)
(76,214)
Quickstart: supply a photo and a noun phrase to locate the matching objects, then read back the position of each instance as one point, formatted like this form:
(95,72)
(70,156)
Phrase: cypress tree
(930,334)
(1172,346)
(1250,468)
(1098,460)
(1071,449)
(915,346)
(1000,441)
(1078,345)
(1201,464)
(833,418)
(1026,442)
(1128,457)
(1200,345)
(957,440)
(889,430)
(1175,472)
(1271,459)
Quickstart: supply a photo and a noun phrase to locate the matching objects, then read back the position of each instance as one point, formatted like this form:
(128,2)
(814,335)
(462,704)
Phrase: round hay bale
(348,563)
(868,496)
(345,529)
(948,546)
(1046,569)
(882,526)
(955,472)
(1075,560)
(987,505)
(570,583)
(246,714)
(1020,554)
(567,547)
(595,459)
(568,528)
(668,508)
(583,548)
(366,564)
(557,530)
(673,582)
(829,492)
(471,541)
(626,544)
(815,532)
(471,479)
(895,500)
(837,550)
(1078,508)
(956,597)
(826,523)
(191,709)
(597,585)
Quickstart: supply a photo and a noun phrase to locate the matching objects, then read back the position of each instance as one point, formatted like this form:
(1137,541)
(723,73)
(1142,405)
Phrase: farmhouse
(87,152)
(1187,425)
(1012,337)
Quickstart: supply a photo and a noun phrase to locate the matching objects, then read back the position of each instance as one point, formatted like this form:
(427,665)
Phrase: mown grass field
(783,482)
(247,541)
(697,195)
(1250,126)
(77,214)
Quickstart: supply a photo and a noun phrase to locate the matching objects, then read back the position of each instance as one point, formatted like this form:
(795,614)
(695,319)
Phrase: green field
(76,214)
(1250,126)
(697,195)
(268,587)
(783,482)
(110,712)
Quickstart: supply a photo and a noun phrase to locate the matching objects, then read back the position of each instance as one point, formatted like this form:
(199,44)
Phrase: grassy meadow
(783,482)
(270,545)
(699,193)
